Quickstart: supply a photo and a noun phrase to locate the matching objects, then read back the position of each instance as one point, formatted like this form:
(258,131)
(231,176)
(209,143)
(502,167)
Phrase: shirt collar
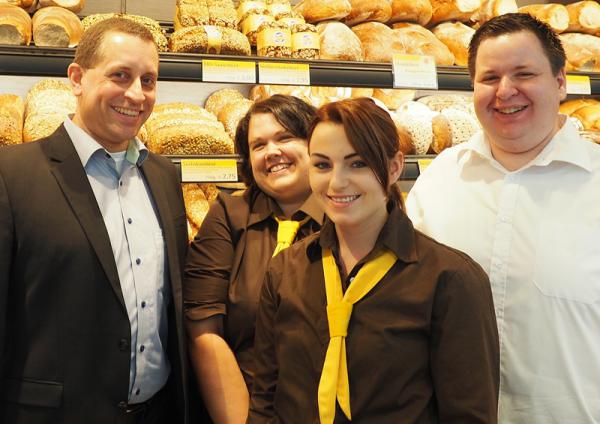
(397,235)
(264,207)
(566,146)
(86,146)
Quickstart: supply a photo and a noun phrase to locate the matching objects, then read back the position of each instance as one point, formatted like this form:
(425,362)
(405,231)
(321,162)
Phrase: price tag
(283,73)
(423,164)
(228,71)
(414,71)
(208,170)
(579,84)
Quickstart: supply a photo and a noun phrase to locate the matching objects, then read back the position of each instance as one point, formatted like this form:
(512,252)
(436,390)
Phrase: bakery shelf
(53,62)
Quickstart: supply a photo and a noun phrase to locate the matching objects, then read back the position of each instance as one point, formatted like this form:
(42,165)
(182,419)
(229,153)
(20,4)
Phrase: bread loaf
(554,14)
(462,124)
(582,50)
(15,25)
(12,110)
(452,10)
(74,6)
(492,8)
(338,42)
(56,27)
(415,39)
(217,100)
(23,4)
(393,98)
(571,106)
(456,36)
(186,129)
(319,10)
(47,105)
(231,115)
(209,39)
(584,16)
(376,40)
(418,11)
(589,116)
(187,15)
(368,10)
(158,33)
(196,206)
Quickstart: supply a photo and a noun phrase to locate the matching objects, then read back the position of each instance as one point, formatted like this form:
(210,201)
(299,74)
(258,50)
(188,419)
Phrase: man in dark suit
(92,243)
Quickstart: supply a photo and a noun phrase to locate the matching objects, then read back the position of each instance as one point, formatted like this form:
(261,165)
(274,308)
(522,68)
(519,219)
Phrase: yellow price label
(423,164)
(236,71)
(283,73)
(208,170)
(579,84)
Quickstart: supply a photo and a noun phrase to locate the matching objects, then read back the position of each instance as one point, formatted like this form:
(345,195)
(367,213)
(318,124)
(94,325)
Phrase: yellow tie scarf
(286,233)
(334,377)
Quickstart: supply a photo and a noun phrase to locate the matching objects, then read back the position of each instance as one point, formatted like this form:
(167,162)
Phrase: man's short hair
(517,22)
(89,51)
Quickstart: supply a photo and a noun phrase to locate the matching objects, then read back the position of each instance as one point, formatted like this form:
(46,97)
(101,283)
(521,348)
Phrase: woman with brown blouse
(229,256)
(371,321)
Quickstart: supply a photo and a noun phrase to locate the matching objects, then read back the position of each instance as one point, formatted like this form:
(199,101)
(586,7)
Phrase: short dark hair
(294,114)
(517,22)
(373,135)
(89,50)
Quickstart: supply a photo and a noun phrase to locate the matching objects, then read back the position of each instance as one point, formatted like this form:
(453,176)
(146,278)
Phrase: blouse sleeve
(464,348)
(208,266)
(266,367)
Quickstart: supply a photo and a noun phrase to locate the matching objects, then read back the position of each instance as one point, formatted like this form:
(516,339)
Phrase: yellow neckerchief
(334,377)
(286,232)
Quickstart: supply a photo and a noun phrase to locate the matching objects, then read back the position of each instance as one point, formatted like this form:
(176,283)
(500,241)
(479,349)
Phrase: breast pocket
(568,261)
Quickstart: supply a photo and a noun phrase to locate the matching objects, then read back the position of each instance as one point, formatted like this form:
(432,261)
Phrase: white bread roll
(582,50)
(12,110)
(415,39)
(584,16)
(15,25)
(456,36)
(418,11)
(554,14)
(492,8)
(453,10)
(56,27)
(217,100)
(368,10)
(429,130)
(338,42)
(319,10)
(376,40)
(74,6)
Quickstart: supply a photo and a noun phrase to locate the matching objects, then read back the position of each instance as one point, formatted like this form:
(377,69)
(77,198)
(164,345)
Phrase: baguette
(554,14)
(584,16)
(452,10)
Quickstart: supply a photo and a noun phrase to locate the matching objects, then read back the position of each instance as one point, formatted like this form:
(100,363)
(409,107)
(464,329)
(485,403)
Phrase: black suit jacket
(64,329)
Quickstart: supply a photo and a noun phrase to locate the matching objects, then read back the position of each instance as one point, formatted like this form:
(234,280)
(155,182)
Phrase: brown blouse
(227,261)
(422,345)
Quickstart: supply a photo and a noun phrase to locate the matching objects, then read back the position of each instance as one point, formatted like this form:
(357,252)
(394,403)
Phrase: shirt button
(121,183)
(122,405)
(123,344)
(138,261)
(137,392)
(106,155)
(142,348)
(143,303)
(129,220)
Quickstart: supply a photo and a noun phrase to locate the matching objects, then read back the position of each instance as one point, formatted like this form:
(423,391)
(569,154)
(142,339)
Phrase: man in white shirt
(523,199)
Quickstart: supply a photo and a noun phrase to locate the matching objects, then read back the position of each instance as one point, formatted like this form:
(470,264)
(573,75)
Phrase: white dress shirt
(536,232)
(136,239)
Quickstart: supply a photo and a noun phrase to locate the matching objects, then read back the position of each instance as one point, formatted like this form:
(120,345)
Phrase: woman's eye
(256,146)
(321,165)
(358,164)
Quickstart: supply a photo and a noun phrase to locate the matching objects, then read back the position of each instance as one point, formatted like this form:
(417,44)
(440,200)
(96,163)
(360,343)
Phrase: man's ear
(75,74)
(561,78)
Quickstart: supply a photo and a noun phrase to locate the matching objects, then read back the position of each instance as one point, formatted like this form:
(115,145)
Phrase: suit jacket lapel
(66,167)
(152,173)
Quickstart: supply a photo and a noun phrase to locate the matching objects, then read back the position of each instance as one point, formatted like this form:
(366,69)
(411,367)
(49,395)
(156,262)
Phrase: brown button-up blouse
(422,345)
(227,261)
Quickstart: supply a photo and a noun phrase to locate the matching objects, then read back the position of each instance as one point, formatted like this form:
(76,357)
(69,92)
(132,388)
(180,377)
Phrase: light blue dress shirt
(131,220)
